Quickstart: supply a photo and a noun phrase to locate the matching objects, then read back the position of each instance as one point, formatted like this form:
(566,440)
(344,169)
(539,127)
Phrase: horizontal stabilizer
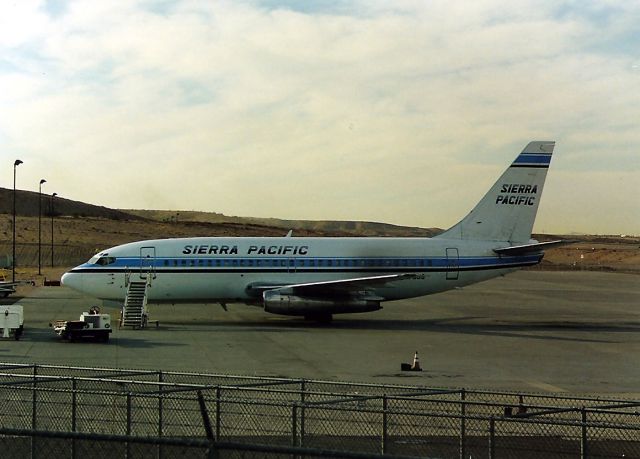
(531,248)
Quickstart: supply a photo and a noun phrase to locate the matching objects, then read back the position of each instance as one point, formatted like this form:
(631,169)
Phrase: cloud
(398,112)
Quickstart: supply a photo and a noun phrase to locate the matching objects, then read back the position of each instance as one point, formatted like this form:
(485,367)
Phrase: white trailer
(12,321)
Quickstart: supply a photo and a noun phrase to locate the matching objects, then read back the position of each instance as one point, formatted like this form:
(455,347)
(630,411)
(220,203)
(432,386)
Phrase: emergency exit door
(453,264)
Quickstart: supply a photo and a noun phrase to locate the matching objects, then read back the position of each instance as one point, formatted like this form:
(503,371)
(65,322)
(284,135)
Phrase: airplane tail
(508,210)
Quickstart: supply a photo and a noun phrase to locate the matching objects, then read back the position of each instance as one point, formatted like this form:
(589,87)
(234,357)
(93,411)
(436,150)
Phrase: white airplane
(318,277)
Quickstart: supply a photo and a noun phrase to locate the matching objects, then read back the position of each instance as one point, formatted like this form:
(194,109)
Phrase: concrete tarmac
(575,332)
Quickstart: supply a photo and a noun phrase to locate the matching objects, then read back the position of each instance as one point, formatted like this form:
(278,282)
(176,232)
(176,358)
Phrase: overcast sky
(401,112)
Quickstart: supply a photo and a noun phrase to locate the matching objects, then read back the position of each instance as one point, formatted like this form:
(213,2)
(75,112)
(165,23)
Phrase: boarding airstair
(134,312)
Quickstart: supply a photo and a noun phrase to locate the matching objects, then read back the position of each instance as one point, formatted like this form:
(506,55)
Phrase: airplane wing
(7,288)
(531,248)
(330,288)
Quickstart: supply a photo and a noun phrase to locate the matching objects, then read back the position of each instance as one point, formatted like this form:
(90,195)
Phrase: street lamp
(40,226)
(51,206)
(16,163)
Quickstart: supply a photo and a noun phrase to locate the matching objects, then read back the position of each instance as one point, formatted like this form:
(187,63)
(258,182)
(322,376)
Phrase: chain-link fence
(311,415)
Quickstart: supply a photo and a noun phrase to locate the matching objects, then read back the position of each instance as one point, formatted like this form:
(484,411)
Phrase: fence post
(160,410)
(74,414)
(205,416)
(128,445)
(218,412)
(385,421)
(213,449)
(34,413)
(463,423)
(584,441)
(303,387)
(492,439)
(294,425)
(34,397)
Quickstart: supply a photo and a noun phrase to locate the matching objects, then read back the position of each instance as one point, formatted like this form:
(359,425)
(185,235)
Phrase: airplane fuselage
(212,269)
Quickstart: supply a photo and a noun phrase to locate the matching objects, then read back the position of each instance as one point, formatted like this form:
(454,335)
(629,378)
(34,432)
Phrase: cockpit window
(103,261)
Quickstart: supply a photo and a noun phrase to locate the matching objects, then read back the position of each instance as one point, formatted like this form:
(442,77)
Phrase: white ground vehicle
(11,321)
(92,325)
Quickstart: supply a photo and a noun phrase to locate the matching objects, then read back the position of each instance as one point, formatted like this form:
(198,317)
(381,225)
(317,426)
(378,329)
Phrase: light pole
(53,195)
(40,226)
(16,163)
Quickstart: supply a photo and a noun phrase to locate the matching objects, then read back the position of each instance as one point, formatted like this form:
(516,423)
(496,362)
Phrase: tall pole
(53,195)
(40,227)
(13,261)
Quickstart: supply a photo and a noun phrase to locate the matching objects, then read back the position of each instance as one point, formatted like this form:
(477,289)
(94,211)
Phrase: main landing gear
(323,318)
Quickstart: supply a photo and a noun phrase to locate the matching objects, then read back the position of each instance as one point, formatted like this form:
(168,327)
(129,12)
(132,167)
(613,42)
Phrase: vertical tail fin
(508,210)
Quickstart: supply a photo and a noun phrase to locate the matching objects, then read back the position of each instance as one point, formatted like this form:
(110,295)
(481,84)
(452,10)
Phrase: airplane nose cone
(72,280)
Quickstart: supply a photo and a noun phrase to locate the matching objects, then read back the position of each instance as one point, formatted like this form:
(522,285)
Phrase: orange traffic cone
(416,363)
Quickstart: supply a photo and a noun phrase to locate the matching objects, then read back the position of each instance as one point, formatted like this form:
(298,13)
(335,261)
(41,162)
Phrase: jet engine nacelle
(291,305)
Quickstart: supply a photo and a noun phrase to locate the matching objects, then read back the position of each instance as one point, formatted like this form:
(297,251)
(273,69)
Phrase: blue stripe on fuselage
(312,264)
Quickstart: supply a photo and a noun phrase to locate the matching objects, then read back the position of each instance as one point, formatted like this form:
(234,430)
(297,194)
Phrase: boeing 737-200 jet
(318,277)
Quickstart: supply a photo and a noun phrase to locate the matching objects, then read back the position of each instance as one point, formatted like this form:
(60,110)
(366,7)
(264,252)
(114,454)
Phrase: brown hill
(27,203)
(330,227)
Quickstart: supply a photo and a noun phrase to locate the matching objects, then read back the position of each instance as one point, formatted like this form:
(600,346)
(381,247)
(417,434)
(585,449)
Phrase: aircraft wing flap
(531,248)
(340,286)
(345,285)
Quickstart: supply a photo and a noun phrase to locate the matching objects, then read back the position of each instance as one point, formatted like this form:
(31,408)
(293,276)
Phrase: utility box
(12,321)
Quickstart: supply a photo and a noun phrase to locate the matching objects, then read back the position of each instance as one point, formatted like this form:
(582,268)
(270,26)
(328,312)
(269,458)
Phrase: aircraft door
(147,262)
(453,264)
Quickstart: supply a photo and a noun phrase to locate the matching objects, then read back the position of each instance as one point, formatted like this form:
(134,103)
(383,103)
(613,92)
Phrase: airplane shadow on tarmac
(528,330)
(46,335)
(471,325)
